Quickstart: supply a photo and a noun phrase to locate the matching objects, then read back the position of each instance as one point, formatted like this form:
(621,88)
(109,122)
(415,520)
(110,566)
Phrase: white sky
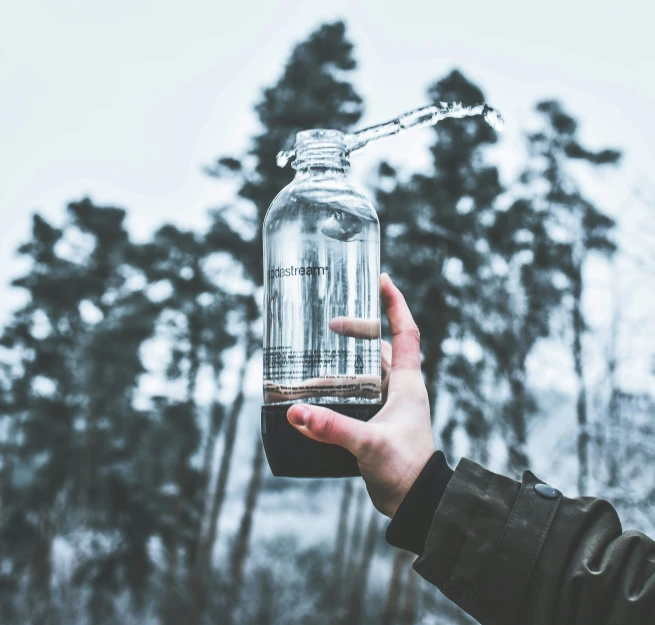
(126,100)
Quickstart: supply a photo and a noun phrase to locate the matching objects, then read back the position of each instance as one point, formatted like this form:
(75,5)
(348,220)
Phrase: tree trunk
(409,608)
(517,460)
(216,419)
(41,606)
(87,466)
(266,612)
(169,615)
(354,548)
(611,447)
(401,561)
(241,544)
(581,404)
(208,539)
(334,591)
(431,345)
(612,441)
(171,607)
(358,592)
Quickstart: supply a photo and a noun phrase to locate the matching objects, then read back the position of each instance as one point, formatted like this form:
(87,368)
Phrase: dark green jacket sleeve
(509,555)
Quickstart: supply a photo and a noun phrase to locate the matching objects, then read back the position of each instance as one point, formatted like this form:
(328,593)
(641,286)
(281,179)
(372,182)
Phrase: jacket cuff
(485,537)
(411,523)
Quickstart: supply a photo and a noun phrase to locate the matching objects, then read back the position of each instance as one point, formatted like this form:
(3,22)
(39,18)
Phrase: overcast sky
(126,100)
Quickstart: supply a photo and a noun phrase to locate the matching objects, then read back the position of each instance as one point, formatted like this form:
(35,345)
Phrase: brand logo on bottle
(286,272)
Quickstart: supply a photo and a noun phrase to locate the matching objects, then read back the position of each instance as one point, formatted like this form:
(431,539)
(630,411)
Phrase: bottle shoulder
(312,201)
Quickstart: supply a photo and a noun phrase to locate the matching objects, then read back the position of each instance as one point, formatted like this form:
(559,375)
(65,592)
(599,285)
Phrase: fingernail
(298,415)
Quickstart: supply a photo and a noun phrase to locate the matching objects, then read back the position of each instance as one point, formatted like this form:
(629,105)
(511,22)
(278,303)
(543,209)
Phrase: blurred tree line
(112,488)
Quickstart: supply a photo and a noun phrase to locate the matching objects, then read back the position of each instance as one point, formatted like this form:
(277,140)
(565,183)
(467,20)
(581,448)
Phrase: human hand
(394,446)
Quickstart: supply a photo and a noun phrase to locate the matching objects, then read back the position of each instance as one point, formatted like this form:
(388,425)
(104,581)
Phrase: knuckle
(412,333)
(310,423)
(415,333)
(327,427)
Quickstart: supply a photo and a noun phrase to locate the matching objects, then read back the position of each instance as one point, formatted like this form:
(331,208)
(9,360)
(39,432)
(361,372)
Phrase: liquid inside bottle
(321,267)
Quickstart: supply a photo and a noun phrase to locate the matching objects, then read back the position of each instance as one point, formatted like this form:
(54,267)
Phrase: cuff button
(546,491)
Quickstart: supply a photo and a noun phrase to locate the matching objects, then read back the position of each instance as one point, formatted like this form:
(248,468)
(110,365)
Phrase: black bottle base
(292,454)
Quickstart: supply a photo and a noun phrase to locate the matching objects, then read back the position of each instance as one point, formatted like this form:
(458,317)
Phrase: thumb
(327,426)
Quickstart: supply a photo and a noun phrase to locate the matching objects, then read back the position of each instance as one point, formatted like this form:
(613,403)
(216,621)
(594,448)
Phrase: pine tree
(71,404)
(435,244)
(240,548)
(313,92)
(433,238)
(194,316)
(582,228)
(530,296)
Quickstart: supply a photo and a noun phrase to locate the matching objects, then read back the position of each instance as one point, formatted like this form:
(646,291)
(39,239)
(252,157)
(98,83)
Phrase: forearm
(508,555)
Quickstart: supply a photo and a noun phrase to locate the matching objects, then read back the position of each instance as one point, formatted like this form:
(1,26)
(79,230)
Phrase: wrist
(412,519)
(415,468)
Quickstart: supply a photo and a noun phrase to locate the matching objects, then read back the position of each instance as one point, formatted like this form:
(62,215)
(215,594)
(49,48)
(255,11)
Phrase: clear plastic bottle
(321,262)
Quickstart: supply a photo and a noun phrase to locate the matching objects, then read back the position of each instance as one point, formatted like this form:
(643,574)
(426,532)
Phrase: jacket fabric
(511,553)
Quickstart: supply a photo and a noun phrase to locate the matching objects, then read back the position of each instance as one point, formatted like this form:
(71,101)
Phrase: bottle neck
(321,152)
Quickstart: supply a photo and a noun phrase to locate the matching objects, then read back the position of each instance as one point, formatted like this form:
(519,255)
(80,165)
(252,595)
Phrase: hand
(394,446)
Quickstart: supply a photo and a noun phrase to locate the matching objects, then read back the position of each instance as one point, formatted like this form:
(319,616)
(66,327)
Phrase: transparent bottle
(321,240)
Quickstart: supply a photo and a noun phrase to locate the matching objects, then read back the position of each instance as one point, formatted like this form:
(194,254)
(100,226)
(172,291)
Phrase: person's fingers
(386,359)
(405,341)
(386,369)
(357,328)
(327,426)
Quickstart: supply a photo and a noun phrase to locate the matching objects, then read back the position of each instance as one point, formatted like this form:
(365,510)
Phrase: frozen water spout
(418,118)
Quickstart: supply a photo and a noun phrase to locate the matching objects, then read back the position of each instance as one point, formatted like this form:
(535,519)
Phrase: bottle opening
(320,148)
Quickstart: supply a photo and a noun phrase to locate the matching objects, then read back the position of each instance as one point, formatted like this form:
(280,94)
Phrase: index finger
(405,337)
(357,328)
